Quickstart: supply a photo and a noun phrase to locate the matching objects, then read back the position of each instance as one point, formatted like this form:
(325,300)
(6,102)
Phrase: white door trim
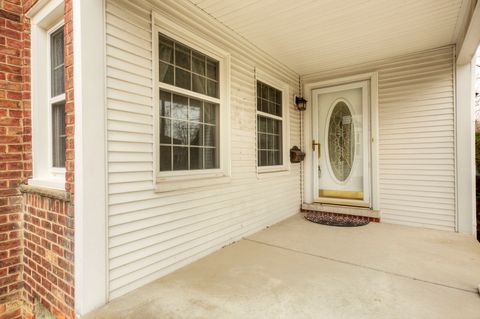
(308,185)
(363,85)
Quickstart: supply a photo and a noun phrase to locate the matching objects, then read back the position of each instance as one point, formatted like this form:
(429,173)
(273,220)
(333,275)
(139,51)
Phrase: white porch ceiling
(313,35)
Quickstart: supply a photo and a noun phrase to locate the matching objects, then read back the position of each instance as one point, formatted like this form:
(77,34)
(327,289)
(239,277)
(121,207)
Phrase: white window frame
(44,22)
(284,88)
(172,180)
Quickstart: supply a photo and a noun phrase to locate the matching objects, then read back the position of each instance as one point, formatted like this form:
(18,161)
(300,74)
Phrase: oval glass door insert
(341,141)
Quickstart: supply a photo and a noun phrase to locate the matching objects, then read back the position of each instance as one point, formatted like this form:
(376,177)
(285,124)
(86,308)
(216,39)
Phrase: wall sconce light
(300,103)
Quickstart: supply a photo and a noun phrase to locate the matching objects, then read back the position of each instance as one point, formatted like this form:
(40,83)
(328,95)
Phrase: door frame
(366,166)
(308,184)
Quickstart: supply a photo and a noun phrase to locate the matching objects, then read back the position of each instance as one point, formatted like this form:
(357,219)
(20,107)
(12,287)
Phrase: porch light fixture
(300,103)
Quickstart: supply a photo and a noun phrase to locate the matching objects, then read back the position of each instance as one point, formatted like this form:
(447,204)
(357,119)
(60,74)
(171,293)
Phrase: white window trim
(168,181)
(284,88)
(44,22)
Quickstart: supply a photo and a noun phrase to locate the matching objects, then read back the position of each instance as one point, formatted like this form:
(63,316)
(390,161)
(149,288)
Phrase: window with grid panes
(269,125)
(188,109)
(57,98)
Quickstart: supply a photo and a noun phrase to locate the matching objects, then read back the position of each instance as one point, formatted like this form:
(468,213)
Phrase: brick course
(36,232)
(14,166)
(48,254)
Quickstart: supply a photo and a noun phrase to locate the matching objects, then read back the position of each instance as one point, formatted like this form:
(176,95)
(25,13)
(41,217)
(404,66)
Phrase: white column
(465,148)
(90,175)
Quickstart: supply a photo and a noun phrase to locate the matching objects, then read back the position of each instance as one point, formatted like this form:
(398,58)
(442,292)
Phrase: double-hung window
(271,125)
(57,99)
(192,110)
(48,96)
(189,108)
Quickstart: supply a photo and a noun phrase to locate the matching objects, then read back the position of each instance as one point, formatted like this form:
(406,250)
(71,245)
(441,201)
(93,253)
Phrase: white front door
(341,148)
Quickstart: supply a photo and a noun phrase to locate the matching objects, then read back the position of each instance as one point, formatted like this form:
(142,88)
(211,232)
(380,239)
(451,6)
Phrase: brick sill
(46,192)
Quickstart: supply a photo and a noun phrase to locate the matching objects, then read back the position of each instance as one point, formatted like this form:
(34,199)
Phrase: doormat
(335,220)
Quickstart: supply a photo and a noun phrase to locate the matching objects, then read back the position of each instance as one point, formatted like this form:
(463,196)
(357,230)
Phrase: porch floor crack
(474,291)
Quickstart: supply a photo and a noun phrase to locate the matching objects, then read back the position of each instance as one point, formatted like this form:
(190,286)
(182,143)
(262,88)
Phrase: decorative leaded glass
(341,141)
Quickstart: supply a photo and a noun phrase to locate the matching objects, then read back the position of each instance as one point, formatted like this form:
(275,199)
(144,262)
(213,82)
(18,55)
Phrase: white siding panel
(417,133)
(151,234)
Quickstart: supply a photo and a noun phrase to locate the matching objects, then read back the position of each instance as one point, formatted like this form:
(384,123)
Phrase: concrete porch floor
(297,269)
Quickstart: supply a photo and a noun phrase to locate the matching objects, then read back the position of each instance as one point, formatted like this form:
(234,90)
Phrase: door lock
(315,144)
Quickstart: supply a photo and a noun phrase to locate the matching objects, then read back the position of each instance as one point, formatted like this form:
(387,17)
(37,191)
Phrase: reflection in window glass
(186,68)
(188,133)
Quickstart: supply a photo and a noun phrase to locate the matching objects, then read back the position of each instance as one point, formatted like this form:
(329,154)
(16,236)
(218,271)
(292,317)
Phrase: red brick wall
(70,115)
(49,223)
(15,163)
(36,232)
(48,240)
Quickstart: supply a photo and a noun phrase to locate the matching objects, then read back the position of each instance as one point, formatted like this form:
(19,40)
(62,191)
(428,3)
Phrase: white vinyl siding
(151,234)
(416,130)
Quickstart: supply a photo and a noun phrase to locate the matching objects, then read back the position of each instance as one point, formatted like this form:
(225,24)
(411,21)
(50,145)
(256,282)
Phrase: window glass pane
(265,92)
(212,69)
(278,160)
(196,158)
(182,56)
(269,141)
(210,114)
(183,79)
(196,110)
(262,124)
(180,158)
(180,132)
(211,158)
(272,108)
(198,63)
(198,84)
(165,49)
(196,134)
(188,130)
(210,135)
(165,158)
(271,158)
(165,131)
(278,109)
(180,107)
(58,134)
(186,68)
(57,63)
(166,73)
(263,159)
(272,94)
(165,103)
(212,88)
(279,97)
(262,141)
(269,99)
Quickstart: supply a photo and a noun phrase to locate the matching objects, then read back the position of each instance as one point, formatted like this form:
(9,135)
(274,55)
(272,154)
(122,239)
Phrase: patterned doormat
(335,220)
